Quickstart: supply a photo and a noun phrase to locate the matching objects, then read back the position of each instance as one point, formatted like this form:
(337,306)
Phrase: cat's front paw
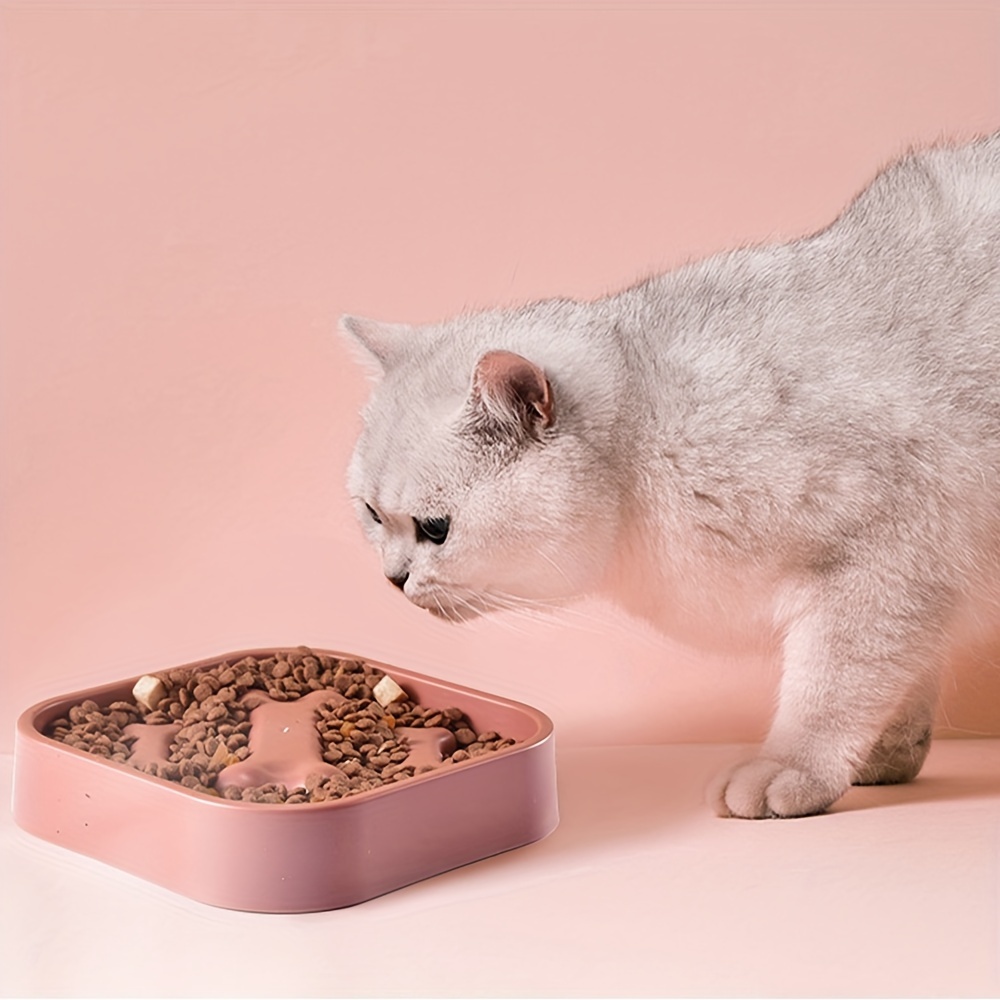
(769,789)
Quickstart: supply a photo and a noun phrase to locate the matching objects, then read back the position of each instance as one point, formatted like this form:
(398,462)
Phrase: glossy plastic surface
(290,859)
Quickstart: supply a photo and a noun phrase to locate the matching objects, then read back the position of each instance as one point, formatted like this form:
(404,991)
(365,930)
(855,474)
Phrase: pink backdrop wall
(191,195)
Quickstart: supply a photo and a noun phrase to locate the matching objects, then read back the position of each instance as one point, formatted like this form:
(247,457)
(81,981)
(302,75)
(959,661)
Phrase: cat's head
(475,476)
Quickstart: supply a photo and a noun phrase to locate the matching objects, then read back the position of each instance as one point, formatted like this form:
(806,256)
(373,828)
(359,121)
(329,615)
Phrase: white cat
(797,442)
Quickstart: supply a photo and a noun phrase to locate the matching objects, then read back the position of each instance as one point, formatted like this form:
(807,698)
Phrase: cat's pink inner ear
(515,386)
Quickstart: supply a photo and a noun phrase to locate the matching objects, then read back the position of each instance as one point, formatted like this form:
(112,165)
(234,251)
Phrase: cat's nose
(400,579)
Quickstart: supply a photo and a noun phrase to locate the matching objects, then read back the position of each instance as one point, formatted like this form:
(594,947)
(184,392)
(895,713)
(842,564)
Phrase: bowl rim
(32,720)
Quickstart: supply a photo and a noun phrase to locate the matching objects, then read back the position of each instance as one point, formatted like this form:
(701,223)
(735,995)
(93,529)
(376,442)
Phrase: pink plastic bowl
(291,858)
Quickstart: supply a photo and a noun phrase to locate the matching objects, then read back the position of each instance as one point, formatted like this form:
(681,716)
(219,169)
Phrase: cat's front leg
(855,705)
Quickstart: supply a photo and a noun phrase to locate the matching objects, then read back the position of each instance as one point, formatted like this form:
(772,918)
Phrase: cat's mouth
(450,606)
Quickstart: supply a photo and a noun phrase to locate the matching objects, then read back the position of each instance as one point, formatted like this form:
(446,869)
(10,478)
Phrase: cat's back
(942,197)
(868,353)
(966,179)
(971,175)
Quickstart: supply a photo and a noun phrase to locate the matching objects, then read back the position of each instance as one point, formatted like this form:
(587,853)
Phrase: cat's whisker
(483,603)
(539,610)
(555,566)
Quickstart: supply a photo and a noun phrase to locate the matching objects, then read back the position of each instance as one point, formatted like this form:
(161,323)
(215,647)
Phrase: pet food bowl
(278,858)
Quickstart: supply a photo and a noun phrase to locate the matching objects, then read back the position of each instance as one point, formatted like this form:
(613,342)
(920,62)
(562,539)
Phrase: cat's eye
(371,511)
(433,529)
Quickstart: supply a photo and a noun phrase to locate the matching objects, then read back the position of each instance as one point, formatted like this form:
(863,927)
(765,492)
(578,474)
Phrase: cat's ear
(381,343)
(511,391)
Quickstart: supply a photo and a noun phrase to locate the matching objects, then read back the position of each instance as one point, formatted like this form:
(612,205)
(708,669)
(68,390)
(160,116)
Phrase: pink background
(192,194)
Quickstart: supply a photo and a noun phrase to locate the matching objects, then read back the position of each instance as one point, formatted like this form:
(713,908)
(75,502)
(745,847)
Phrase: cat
(797,443)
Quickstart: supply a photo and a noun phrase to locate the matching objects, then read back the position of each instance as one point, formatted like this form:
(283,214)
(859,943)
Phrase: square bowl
(277,858)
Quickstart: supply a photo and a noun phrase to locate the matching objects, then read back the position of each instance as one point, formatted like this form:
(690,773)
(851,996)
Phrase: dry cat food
(291,727)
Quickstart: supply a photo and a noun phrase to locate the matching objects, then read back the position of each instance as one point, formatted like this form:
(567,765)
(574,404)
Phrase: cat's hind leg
(855,653)
(903,747)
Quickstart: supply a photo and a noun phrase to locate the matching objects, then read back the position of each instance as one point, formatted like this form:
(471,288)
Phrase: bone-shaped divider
(284,744)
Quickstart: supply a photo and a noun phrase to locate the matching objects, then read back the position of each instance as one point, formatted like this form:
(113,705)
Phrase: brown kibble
(355,731)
